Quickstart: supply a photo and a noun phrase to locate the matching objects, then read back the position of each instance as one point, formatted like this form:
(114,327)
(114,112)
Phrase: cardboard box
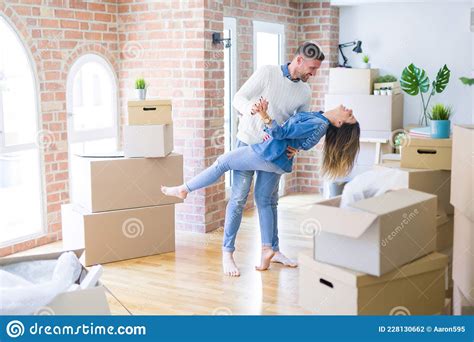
(91,301)
(150,112)
(374,113)
(444,232)
(396,89)
(105,184)
(416,288)
(461,305)
(427,154)
(351,80)
(462,180)
(147,141)
(463,254)
(378,234)
(436,182)
(120,234)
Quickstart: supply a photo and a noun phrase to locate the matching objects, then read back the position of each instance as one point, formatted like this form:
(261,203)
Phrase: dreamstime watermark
(400,311)
(213,236)
(406,220)
(133,228)
(310,226)
(133,50)
(399,138)
(45,311)
(15,329)
(217,138)
(44,139)
(222,311)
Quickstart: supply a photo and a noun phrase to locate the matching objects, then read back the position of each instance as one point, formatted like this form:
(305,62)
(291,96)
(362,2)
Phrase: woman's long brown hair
(341,146)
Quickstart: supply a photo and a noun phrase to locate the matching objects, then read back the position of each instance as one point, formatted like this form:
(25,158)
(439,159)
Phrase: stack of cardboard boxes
(375,257)
(118,210)
(462,198)
(378,115)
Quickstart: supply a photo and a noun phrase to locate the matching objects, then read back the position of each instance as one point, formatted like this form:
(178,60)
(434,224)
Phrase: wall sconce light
(216,39)
(356,49)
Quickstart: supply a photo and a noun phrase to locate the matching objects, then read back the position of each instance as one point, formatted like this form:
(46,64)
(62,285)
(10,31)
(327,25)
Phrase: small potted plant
(140,88)
(440,123)
(365,62)
(389,82)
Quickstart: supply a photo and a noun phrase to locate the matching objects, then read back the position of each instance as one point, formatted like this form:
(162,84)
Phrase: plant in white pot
(440,123)
(387,81)
(414,81)
(140,88)
(365,62)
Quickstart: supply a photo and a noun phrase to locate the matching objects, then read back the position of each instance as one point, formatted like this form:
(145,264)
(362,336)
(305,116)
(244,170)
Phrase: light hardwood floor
(190,280)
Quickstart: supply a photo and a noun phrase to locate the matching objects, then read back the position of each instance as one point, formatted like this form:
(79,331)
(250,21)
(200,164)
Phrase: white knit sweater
(285,98)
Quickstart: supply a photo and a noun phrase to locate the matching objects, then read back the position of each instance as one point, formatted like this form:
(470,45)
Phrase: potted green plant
(365,62)
(440,123)
(414,81)
(387,81)
(140,88)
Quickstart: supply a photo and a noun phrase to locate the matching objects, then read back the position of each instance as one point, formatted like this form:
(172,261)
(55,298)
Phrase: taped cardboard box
(462,180)
(463,254)
(427,154)
(120,234)
(436,182)
(374,113)
(461,304)
(352,81)
(147,141)
(91,301)
(375,235)
(416,288)
(104,184)
(150,112)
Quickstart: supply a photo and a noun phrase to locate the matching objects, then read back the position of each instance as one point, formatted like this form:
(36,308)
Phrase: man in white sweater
(287,92)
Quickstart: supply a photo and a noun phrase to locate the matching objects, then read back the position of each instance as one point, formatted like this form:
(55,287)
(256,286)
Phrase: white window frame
(29,146)
(263,26)
(96,134)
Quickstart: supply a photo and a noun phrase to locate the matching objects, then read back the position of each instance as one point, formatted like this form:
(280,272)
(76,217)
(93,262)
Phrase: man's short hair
(310,50)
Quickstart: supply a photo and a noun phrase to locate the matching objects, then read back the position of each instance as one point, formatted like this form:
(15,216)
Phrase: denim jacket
(302,131)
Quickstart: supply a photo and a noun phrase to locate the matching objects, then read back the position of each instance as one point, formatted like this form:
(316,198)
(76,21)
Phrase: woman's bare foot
(282,259)
(228,264)
(267,255)
(176,191)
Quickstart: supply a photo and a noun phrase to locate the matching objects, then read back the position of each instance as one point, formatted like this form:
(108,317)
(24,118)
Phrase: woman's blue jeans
(265,193)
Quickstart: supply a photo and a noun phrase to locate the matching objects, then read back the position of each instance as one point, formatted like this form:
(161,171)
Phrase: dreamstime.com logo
(15,329)
(133,228)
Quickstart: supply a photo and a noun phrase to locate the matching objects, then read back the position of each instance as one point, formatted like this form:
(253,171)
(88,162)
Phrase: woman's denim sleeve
(295,129)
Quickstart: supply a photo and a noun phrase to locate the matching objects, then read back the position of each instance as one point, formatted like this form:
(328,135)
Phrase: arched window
(92,108)
(21,197)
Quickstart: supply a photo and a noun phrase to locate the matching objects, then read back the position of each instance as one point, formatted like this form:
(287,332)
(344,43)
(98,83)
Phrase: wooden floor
(190,281)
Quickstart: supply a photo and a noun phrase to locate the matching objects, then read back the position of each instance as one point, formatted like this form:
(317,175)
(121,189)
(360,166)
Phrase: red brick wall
(55,37)
(169,43)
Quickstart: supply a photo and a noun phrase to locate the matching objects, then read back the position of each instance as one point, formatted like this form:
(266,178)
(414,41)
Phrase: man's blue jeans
(266,198)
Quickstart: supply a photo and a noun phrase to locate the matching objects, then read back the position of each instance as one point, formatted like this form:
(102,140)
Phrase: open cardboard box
(436,182)
(375,235)
(92,301)
(416,288)
(147,141)
(462,180)
(104,184)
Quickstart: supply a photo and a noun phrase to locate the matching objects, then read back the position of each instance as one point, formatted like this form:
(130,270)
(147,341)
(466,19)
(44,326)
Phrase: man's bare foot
(267,254)
(176,191)
(282,259)
(228,264)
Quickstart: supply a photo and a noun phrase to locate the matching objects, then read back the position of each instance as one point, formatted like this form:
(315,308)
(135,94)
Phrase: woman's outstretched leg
(242,158)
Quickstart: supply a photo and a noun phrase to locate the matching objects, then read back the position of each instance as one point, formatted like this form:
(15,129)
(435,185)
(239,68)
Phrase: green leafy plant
(140,83)
(414,81)
(385,79)
(365,58)
(440,112)
(399,139)
(467,81)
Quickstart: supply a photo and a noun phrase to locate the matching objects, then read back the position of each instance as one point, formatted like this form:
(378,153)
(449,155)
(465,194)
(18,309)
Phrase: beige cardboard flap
(349,222)
(427,142)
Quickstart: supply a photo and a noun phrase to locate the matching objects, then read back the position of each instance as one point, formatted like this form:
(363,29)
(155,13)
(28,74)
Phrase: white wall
(427,34)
